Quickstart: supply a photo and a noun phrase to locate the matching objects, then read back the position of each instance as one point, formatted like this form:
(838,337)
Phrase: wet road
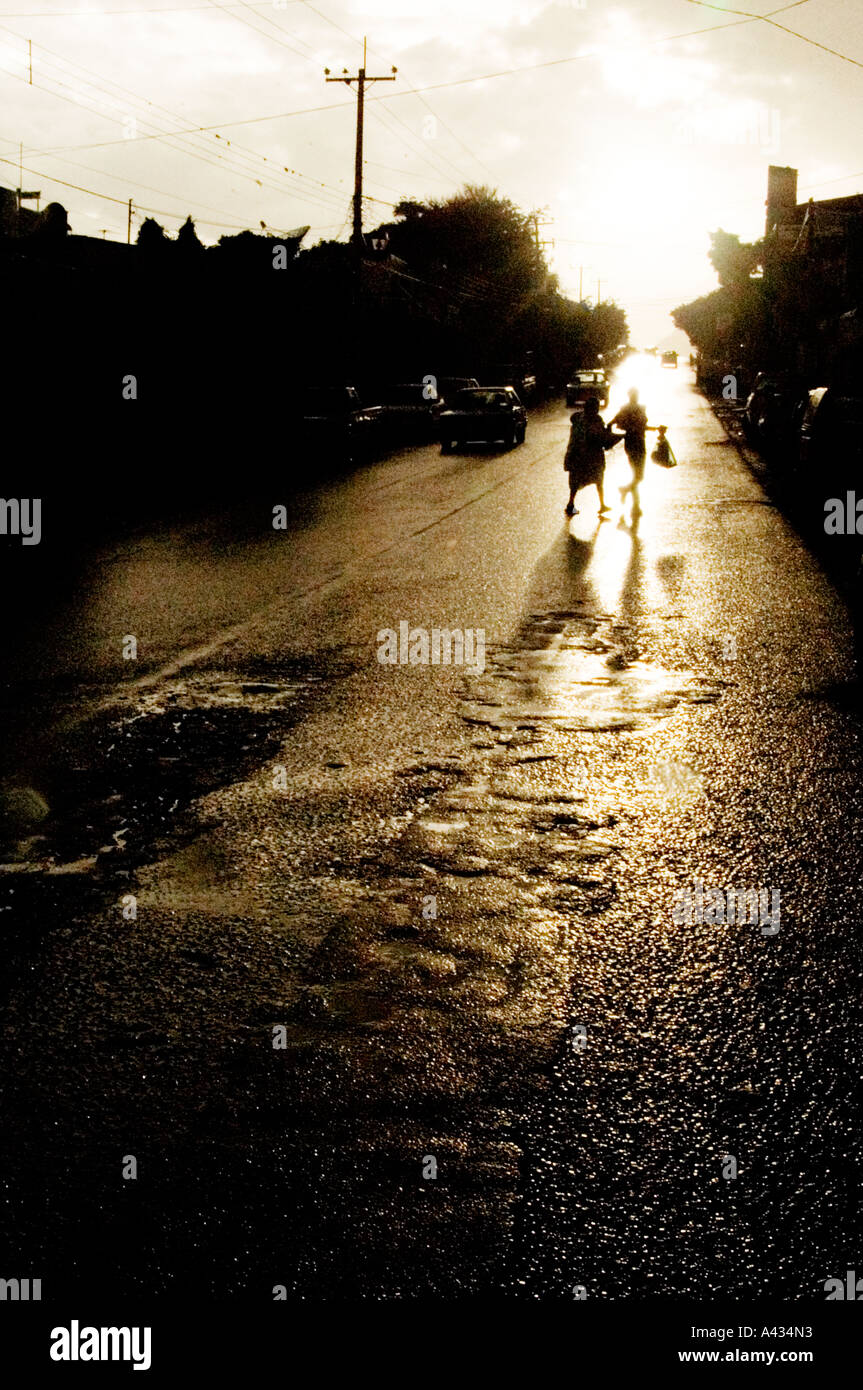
(375,970)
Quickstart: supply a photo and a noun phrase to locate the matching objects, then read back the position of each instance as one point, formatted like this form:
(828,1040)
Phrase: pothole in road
(124,783)
(219,693)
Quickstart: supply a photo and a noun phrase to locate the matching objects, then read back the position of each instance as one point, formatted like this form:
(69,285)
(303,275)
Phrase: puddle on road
(208,693)
(123,784)
(409,1013)
(499,826)
(574,673)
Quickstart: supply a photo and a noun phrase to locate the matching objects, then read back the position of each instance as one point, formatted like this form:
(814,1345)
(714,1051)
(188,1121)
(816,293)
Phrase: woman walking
(585,459)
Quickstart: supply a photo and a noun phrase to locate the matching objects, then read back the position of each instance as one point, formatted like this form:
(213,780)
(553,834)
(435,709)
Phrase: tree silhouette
(151,236)
(188,240)
(477,239)
(468,269)
(733,260)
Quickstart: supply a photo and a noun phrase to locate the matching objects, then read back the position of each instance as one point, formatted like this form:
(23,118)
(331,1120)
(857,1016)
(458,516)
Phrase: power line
(138,207)
(280,41)
(434,152)
(355,39)
(843,178)
(216,4)
(321,198)
(427,157)
(243,169)
(432,87)
(766,19)
(235,168)
(556,62)
(122,178)
(165,9)
(393,170)
(63,182)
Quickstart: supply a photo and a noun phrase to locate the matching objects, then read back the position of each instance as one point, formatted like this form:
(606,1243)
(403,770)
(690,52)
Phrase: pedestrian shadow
(574,577)
(633,596)
(559,580)
(671,570)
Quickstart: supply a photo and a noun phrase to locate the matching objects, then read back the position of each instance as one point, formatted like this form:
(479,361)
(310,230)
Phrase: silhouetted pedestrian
(585,457)
(632,419)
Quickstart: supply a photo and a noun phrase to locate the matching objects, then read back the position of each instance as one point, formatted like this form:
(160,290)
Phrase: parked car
(669,358)
(485,413)
(526,387)
(772,415)
(334,419)
(409,410)
(447,386)
(586,384)
(830,448)
(509,374)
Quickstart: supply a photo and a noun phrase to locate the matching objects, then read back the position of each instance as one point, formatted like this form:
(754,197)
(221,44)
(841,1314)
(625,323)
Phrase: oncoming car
(482,413)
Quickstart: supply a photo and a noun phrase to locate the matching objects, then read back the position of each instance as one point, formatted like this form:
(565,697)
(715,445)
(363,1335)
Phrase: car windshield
(480,400)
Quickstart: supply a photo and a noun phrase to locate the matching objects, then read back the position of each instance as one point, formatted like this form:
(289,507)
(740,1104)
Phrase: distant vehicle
(408,410)
(669,358)
(335,419)
(483,413)
(586,384)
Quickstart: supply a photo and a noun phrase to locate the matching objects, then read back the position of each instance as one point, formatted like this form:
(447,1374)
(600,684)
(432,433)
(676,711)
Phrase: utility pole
(541,246)
(20,192)
(129,225)
(361,80)
(534,218)
(598,293)
(581,284)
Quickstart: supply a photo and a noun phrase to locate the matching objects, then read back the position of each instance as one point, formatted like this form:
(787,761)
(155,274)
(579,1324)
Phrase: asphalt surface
(375,969)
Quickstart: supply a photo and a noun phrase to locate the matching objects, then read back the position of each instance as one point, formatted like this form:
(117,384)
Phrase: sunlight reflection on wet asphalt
(553,806)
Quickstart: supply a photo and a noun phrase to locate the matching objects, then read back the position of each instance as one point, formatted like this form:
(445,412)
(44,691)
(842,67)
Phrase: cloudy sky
(635,128)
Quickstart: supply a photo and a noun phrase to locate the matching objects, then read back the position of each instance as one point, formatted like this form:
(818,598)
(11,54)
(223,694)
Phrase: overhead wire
(93,14)
(744,18)
(411,88)
(432,87)
(768,19)
(322,195)
(385,118)
(244,152)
